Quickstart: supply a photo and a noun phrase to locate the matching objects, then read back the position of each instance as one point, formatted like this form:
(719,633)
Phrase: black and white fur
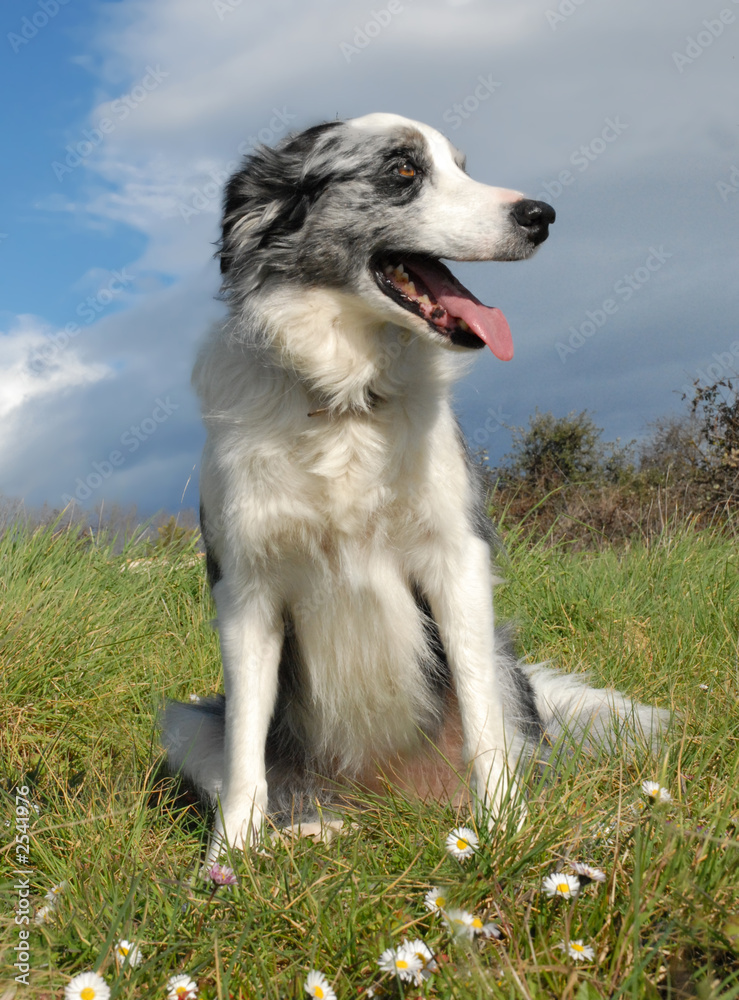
(347,541)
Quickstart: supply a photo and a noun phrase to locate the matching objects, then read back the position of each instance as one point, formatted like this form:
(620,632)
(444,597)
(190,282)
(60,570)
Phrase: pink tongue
(487,322)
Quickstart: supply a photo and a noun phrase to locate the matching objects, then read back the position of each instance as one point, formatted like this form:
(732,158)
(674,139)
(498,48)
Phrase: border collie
(347,539)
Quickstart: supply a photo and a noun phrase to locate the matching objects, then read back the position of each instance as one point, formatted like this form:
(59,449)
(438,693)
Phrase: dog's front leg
(251,637)
(462,605)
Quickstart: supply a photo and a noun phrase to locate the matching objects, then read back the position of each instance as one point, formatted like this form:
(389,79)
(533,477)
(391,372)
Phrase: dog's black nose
(535,217)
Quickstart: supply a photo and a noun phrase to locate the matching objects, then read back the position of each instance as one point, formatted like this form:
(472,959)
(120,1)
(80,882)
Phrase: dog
(345,524)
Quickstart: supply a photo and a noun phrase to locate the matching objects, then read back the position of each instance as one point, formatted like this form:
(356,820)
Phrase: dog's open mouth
(424,286)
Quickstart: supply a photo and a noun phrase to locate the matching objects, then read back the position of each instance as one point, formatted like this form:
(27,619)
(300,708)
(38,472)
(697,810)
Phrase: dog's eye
(406,169)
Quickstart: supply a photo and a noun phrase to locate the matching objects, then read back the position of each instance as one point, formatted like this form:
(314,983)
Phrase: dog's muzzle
(534,217)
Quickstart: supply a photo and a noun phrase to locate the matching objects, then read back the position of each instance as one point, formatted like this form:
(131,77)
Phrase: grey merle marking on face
(286,199)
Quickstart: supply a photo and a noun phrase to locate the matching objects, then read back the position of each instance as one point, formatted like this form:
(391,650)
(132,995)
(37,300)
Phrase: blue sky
(121,120)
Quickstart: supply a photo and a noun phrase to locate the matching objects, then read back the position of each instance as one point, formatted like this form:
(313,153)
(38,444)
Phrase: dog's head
(369,206)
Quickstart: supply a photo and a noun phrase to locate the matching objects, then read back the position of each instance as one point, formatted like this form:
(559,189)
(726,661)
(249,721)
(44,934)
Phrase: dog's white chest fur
(347,577)
(350,463)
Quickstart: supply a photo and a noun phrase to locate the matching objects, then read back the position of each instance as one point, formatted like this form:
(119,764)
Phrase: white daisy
(462,842)
(462,923)
(435,900)
(655,792)
(181,988)
(128,952)
(402,962)
(587,873)
(423,953)
(43,913)
(87,986)
(560,884)
(491,931)
(55,891)
(604,833)
(576,949)
(316,985)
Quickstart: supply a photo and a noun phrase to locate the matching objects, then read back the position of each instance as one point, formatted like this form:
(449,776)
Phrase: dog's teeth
(388,271)
(462,325)
(425,300)
(411,288)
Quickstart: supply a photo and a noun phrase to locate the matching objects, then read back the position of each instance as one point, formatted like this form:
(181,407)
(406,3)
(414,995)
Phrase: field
(91,645)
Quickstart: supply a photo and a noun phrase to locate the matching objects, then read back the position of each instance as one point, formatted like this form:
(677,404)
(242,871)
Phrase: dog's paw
(499,798)
(322,831)
(236,832)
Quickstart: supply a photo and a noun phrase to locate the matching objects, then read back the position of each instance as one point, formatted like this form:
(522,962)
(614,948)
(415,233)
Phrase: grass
(91,645)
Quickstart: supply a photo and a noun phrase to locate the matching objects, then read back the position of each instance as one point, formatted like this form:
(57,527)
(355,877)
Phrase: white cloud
(37,362)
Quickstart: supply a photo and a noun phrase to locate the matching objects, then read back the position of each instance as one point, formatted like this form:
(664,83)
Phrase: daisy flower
(491,931)
(87,986)
(221,875)
(127,951)
(463,924)
(55,891)
(576,949)
(604,833)
(401,961)
(43,913)
(424,954)
(655,792)
(181,988)
(462,842)
(316,985)
(586,873)
(560,884)
(434,900)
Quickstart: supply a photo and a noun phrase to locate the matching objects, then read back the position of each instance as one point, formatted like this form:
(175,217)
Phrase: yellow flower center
(462,845)
(440,901)
(88,993)
(182,991)
(576,947)
(318,992)
(401,963)
(123,950)
(563,887)
(477,923)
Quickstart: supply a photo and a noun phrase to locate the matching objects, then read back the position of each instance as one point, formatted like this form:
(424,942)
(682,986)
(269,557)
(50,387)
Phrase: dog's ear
(270,196)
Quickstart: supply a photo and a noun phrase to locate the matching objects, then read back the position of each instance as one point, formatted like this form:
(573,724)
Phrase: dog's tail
(596,719)
(193,736)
